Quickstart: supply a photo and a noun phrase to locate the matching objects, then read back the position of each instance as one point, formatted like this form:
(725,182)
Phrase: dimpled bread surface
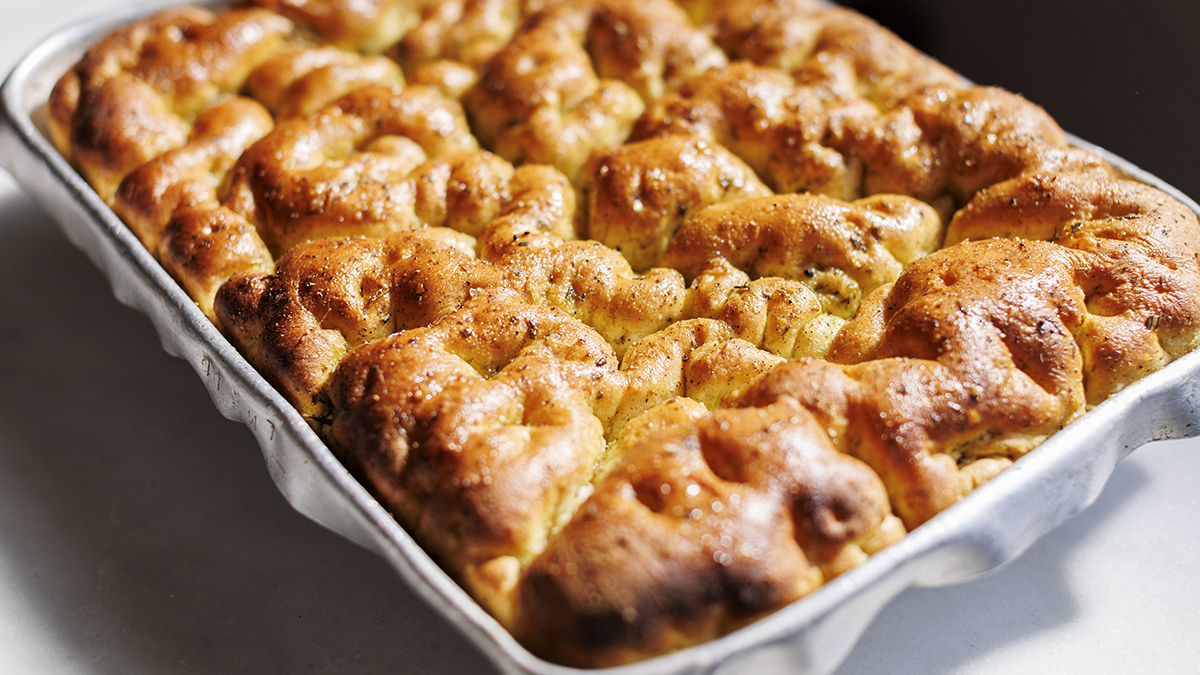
(645,318)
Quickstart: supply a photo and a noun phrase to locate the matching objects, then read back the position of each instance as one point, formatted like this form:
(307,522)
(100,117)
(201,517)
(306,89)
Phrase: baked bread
(645,318)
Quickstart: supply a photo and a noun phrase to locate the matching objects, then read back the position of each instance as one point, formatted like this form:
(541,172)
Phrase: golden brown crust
(464,31)
(596,285)
(335,294)
(644,317)
(190,175)
(203,247)
(172,202)
(576,76)
(980,136)
(782,316)
(840,53)
(132,95)
(711,523)
(357,167)
(942,141)
(302,80)
(452,78)
(841,250)
(361,26)
(977,357)
(1136,261)
(641,193)
(698,359)
(498,435)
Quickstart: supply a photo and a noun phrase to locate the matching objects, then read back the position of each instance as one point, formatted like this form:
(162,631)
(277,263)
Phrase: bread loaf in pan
(646,319)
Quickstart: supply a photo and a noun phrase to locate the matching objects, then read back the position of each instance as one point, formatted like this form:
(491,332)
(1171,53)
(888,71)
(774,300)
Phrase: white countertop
(140,532)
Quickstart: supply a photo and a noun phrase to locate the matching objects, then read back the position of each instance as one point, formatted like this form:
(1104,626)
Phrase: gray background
(140,532)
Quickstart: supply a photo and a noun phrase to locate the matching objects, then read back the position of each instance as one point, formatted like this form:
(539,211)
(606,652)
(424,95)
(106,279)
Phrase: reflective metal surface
(988,529)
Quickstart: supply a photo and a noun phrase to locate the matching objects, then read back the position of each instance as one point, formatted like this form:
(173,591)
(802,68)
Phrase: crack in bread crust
(645,317)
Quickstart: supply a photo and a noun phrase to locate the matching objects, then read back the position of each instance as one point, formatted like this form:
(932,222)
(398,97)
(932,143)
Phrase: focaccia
(646,318)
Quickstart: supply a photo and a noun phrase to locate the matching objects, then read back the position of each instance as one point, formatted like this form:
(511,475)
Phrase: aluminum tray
(811,636)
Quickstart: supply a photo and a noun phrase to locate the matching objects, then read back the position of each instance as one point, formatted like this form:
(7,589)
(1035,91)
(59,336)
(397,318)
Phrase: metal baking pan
(985,531)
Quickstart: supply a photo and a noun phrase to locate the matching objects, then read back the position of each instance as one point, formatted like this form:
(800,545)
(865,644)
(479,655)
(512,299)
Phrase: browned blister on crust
(1136,252)
(467,32)
(498,409)
(782,316)
(842,54)
(358,167)
(954,142)
(918,131)
(646,318)
(204,247)
(762,116)
(133,95)
(639,194)
(842,251)
(332,295)
(193,173)
(697,529)
(976,358)
(596,285)
(302,80)
(172,203)
(368,26)
(700,359)
(576,76)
